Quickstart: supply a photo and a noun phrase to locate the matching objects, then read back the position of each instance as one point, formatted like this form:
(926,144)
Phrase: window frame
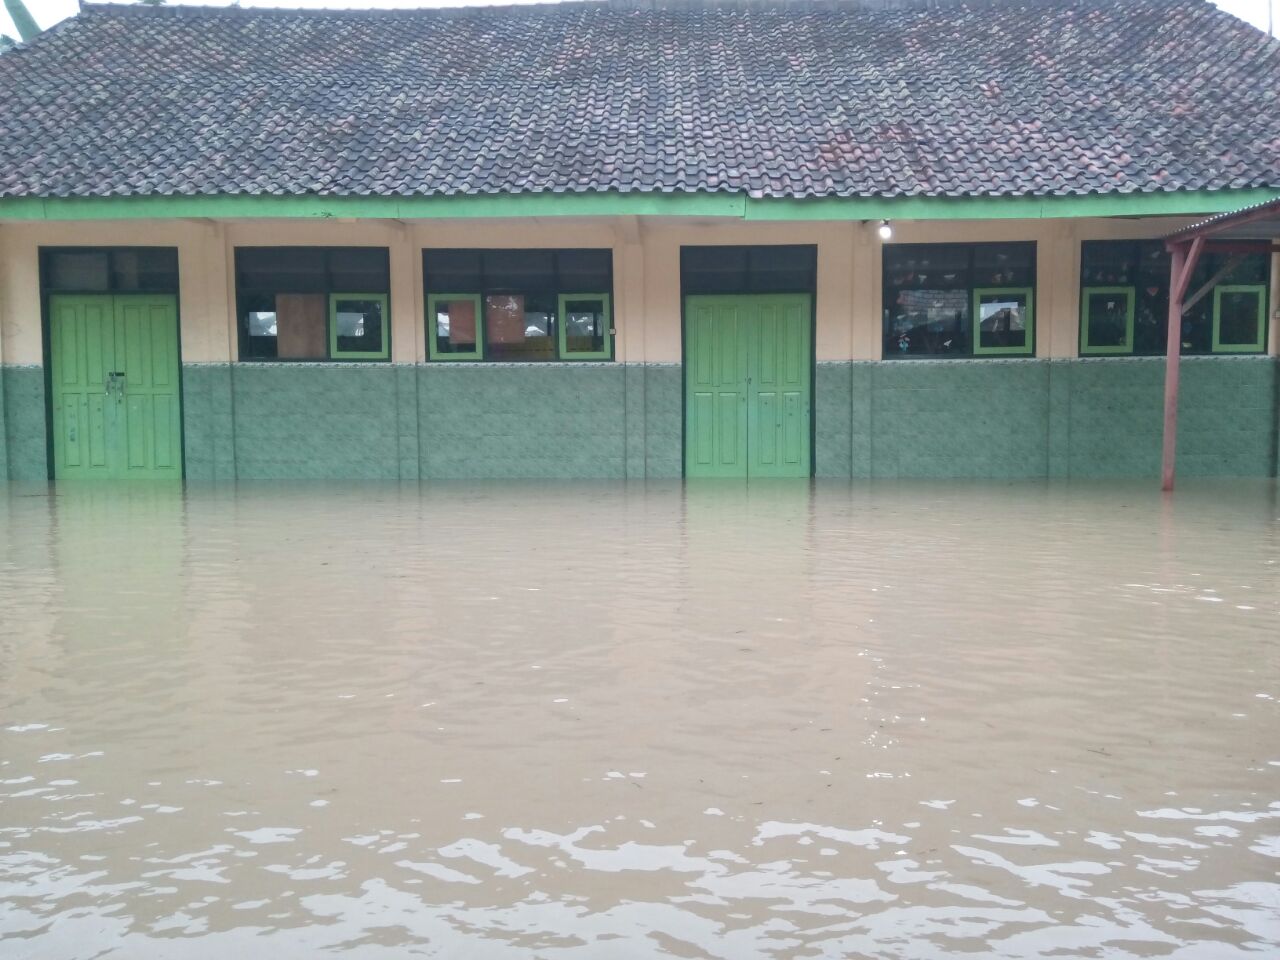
(562,333)
(335,354)
(326,252)
(1259,345)
(1027,350)
(1205,339)
(973,292)
(488,274)
(1087,350)
(45,255)
(456,356)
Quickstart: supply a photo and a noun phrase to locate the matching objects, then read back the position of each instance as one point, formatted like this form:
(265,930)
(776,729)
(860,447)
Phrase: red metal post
(1180,269)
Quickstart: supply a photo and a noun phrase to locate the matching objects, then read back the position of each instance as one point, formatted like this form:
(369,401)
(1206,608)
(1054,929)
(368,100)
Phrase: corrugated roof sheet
(769,99)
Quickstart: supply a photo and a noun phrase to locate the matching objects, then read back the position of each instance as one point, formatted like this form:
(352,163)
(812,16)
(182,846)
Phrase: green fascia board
(1170,203)
(726,205)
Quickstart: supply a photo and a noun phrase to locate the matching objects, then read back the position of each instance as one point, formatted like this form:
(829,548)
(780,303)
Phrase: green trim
(1169,203)
(336,354)
(1087,349)
(1026,350)
(565,352)
(1260,291)
(432,350)
(1172,203)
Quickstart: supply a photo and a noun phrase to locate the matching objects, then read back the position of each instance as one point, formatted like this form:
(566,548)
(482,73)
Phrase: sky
(49,12)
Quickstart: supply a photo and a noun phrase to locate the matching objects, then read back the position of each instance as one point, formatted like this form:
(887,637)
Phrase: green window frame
(1256,345)
(562,331)
(1027,349)
(335,353)
(433,350)
(1088,349)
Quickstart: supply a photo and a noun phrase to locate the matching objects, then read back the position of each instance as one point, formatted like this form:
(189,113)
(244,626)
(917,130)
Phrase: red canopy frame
(1248,230)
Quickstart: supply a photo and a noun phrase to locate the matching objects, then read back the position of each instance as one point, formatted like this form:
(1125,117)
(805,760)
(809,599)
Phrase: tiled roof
(768,99)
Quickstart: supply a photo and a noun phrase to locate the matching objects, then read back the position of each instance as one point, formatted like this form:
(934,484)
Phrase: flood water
(594,721)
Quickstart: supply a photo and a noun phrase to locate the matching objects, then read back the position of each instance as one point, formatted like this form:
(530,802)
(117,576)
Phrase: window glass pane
(934,266)
(359,268)
(1240,268)
(358,325)
(258,328)
(455,326)
(1151,316)
(1002,320)
(714,269)
(1107,263)
(1005,264)
(1107,315)
(452,270)
(519,327)
(262,323)
(1153,262)
(281,269)
(301,320)
(584,269)
(519,270)
(927,322)
(586,328)
(1239,318)
(781,269)
(81,271)
(144,268)
(1197,326)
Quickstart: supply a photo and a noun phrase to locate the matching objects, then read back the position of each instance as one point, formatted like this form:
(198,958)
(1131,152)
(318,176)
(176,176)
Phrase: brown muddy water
(574,721)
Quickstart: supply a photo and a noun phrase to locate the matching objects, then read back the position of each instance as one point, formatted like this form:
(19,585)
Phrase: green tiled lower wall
(23,451)
(1037,418)
(968,418)
(522,420)
(437,421)
(975,418)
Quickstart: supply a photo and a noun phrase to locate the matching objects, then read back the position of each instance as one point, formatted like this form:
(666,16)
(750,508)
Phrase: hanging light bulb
(885,231)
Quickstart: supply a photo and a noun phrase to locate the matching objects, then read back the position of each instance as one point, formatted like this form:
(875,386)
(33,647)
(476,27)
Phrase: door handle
(115,383)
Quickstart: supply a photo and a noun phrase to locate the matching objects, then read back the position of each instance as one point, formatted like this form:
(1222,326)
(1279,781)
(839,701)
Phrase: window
(764,269)
(313,303)
(959,300)
(110,269)
(1124,300)
(518,305)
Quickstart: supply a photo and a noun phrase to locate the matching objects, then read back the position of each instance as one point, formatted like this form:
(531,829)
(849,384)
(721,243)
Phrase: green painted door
(115,389)
(747,386)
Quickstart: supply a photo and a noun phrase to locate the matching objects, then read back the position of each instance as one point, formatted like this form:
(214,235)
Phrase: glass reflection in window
(1002,322)
(586,326)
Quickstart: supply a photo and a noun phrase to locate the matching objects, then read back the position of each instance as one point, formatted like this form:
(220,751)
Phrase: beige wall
(646,271)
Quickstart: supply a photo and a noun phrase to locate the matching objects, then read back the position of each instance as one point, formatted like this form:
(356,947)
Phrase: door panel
(82,341)
(716,387)
(147,339)
(779,397)
(748,386)
(115,377)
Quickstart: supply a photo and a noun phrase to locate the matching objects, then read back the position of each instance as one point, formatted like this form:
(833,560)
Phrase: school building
(856,238)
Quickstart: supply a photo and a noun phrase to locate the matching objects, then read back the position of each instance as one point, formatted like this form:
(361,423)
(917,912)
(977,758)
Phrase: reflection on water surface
(566,721)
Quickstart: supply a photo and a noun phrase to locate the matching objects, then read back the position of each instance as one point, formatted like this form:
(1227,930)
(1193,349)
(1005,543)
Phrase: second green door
(114,387)
(747,386)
